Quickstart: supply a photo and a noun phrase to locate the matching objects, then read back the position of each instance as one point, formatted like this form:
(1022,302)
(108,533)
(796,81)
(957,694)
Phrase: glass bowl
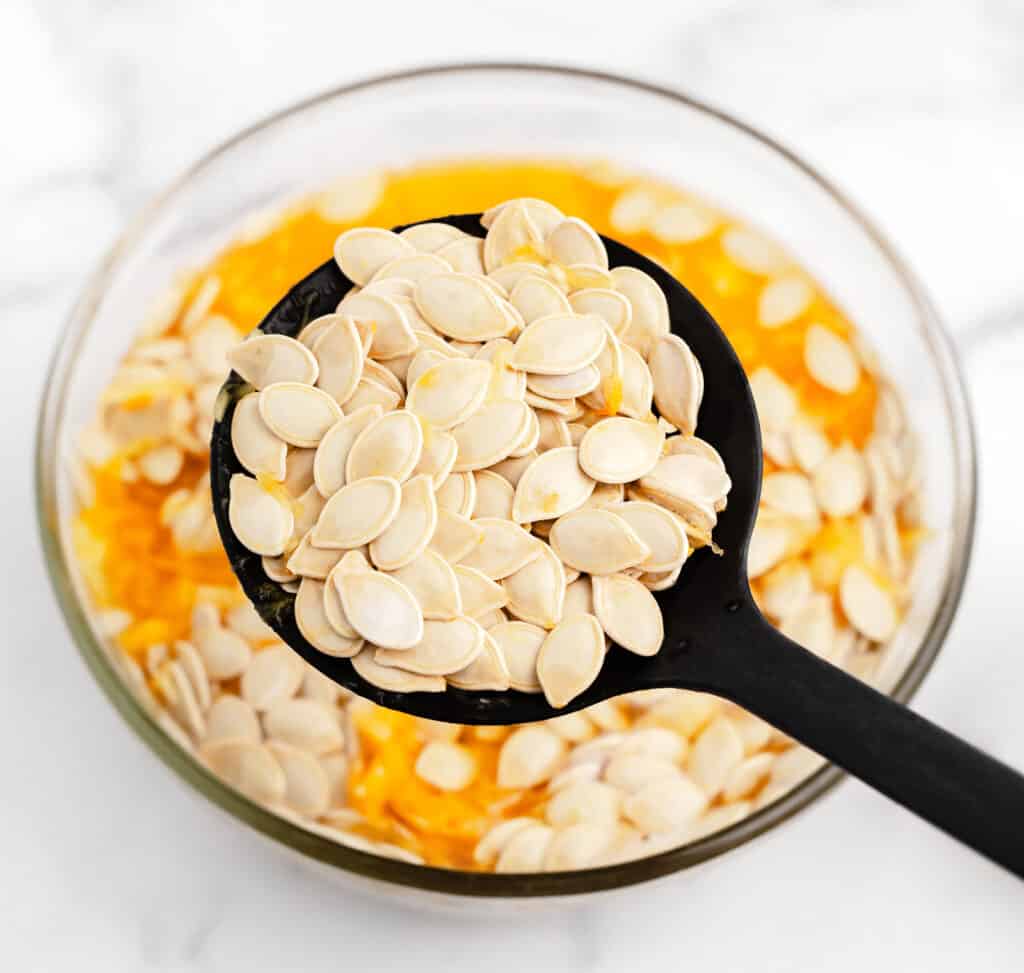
(508,110)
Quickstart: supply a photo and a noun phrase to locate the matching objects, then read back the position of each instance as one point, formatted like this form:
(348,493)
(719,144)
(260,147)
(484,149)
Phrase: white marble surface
(916,108)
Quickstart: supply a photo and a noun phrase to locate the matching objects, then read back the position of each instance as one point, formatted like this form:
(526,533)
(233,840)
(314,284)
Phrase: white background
(106,862)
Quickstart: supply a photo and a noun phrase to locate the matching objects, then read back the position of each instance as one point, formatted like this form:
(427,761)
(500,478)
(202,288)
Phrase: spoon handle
(933,773)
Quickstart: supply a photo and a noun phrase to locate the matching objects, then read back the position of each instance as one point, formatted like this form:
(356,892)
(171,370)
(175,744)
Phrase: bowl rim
(280,829)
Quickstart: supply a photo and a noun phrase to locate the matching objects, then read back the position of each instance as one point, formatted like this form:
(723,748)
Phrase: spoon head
(694,609)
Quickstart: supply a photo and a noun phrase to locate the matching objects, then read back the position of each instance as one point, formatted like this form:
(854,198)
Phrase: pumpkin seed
(478,593)
(570,659)
(386,320)
(224,653)
(841,482)
(783,300)
(790,494)
(552,485)
(608,395)
(362,251)
(637,385)
(753,252)
(256,447)
(717,752)
(389,286)
(565,386)
(423,360)
(769,544)
(409,533)
(578,277)
(446,766)
(376,372)
(488,620)
(520,643)
(529,756)
(504,548)
(574,242)
(461,306)
(446,648)
(381,609)
(298,414)
(678,382)
(536,297)
(312,562)
(332,454)
(526,851)
(358,513)
(631,771)
(434,585)
(614,308)
(466,256)
(336,617)
(486,673)
(248,767)
(449,392)
(369,392)
(430,237)
(554,431)
(231,718)
(412,267)
(490,434)
(274,674)
(628,613)
(340,357)
(687,477)
(506,381)
(579,599)
(305,724)
(458,494)
(659,531)
(306,509)
(596,541)
(311,332)
(455,536)
(493,495)
(830,360)
(812,625)
(266,359)
(620,450)
(316,625)
(512,233)
(531,436)
(509,275)
(512,469)
(560,407)
(390,446)
(776,402)
(260,521)
(438,456)
(665,804)
(298,476)
(579,846)
(536,592)
(867,605)
(544,215)
(560,344)
(650,319)
(394,680)
(307,789)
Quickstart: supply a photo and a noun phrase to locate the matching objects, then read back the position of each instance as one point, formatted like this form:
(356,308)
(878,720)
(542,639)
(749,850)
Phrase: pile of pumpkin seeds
(617,778)
(493,495)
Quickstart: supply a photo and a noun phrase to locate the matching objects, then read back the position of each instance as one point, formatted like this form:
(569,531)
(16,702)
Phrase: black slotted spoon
(716,640)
